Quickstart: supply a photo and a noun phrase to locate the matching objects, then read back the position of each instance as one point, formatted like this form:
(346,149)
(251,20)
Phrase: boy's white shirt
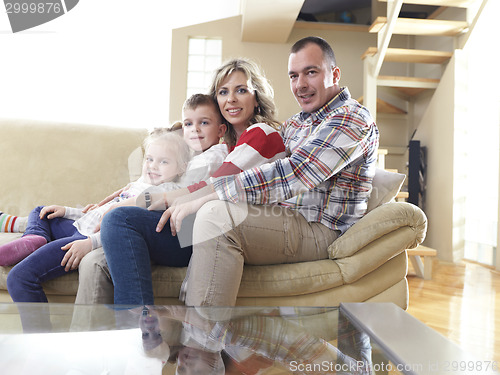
(199,168)
(203,165)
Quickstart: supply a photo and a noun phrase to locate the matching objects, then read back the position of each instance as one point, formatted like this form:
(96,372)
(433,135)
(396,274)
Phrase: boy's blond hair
(196,100)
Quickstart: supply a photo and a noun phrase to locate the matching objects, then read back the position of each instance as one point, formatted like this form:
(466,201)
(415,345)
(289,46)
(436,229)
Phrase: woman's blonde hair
(264,94)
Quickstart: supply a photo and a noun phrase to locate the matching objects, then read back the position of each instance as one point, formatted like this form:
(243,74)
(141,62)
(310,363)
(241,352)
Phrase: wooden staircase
(404,89)
(392,24)
(408,87)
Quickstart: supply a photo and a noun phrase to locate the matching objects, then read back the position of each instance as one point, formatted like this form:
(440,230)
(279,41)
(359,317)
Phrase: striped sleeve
(259,144)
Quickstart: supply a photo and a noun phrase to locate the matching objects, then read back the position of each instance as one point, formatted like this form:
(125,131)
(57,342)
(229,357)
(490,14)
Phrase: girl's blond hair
(174,137)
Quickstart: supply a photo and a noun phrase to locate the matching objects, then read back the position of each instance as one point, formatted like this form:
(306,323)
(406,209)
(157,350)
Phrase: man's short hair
(321,43)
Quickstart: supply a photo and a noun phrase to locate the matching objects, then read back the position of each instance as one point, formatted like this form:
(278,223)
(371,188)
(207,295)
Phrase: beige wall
(272,57)
(348,47)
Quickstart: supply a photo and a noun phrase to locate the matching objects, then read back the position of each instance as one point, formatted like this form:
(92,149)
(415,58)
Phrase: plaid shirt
(329,172)
(276,339)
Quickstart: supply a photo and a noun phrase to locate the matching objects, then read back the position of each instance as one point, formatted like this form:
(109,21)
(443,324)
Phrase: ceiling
(269,21)
(330,6)
(272,21)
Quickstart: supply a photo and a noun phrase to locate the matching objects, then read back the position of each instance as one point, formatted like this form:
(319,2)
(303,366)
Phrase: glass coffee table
(364,338)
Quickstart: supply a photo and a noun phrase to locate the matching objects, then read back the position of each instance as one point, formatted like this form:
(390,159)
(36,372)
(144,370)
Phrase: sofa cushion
(379,222)
(385,187)
(8,237)
(262,281)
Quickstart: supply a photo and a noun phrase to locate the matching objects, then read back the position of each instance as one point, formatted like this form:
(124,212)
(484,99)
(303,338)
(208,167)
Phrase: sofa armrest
(382,220)
(382,235)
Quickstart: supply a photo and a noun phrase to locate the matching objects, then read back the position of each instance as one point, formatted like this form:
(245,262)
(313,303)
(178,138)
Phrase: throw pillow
(385,187)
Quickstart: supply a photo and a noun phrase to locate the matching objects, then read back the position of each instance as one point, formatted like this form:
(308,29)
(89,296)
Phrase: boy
(202,128)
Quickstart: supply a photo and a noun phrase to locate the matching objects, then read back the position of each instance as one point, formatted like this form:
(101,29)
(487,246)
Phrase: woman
(130,235)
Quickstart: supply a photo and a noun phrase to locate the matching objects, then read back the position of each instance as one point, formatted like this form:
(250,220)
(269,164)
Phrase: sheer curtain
(482,136)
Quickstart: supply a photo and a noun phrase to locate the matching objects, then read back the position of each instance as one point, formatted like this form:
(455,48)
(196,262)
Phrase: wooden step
(385,107)
(402,196)
(381,154)
(408,85)
(415,26)
(422,251)
(443,3)
(405,55)
(422,269)
(382,151)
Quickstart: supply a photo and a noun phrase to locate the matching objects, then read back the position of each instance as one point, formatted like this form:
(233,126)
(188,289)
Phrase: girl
(54,228)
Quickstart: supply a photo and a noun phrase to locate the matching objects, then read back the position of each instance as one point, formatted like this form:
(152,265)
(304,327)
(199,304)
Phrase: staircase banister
(393,10)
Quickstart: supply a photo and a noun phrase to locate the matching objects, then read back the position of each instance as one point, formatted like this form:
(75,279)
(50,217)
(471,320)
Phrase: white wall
(443,119)
(436,132)
(105,62)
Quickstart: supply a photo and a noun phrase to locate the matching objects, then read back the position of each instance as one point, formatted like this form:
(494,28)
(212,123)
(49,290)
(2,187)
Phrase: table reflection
(250,341)
(108,339)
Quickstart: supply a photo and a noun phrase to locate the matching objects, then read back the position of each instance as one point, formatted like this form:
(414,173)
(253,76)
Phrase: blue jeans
(131,243)
(24,281)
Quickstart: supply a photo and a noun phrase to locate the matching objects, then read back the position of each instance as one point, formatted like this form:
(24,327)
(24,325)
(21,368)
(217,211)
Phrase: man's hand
(75,251)
(52,212)
(182,208)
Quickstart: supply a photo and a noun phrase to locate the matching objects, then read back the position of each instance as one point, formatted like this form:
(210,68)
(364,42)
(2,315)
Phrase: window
(204,56)
(481,143)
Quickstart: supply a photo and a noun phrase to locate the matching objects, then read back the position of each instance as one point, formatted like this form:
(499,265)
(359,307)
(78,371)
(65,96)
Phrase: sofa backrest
(44,163)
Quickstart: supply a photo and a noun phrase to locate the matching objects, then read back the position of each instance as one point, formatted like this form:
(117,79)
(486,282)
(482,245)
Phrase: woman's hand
(89,207)
(52,211)
(109,198)
(159,201)
(152,201)
(75,251)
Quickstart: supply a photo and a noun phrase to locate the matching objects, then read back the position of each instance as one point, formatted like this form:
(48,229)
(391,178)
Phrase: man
(290,210)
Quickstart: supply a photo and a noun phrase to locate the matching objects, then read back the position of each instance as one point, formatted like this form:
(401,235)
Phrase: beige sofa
(72,164)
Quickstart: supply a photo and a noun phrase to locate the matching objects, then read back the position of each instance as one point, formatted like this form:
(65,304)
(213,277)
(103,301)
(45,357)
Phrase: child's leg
(39,227)
(11,223)
(36,235)
(15,251)
(24,281)
(94,281)
(94,287)
(38,232)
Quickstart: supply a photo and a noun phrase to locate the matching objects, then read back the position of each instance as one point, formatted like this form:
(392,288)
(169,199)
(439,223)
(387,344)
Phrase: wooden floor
(460,302)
